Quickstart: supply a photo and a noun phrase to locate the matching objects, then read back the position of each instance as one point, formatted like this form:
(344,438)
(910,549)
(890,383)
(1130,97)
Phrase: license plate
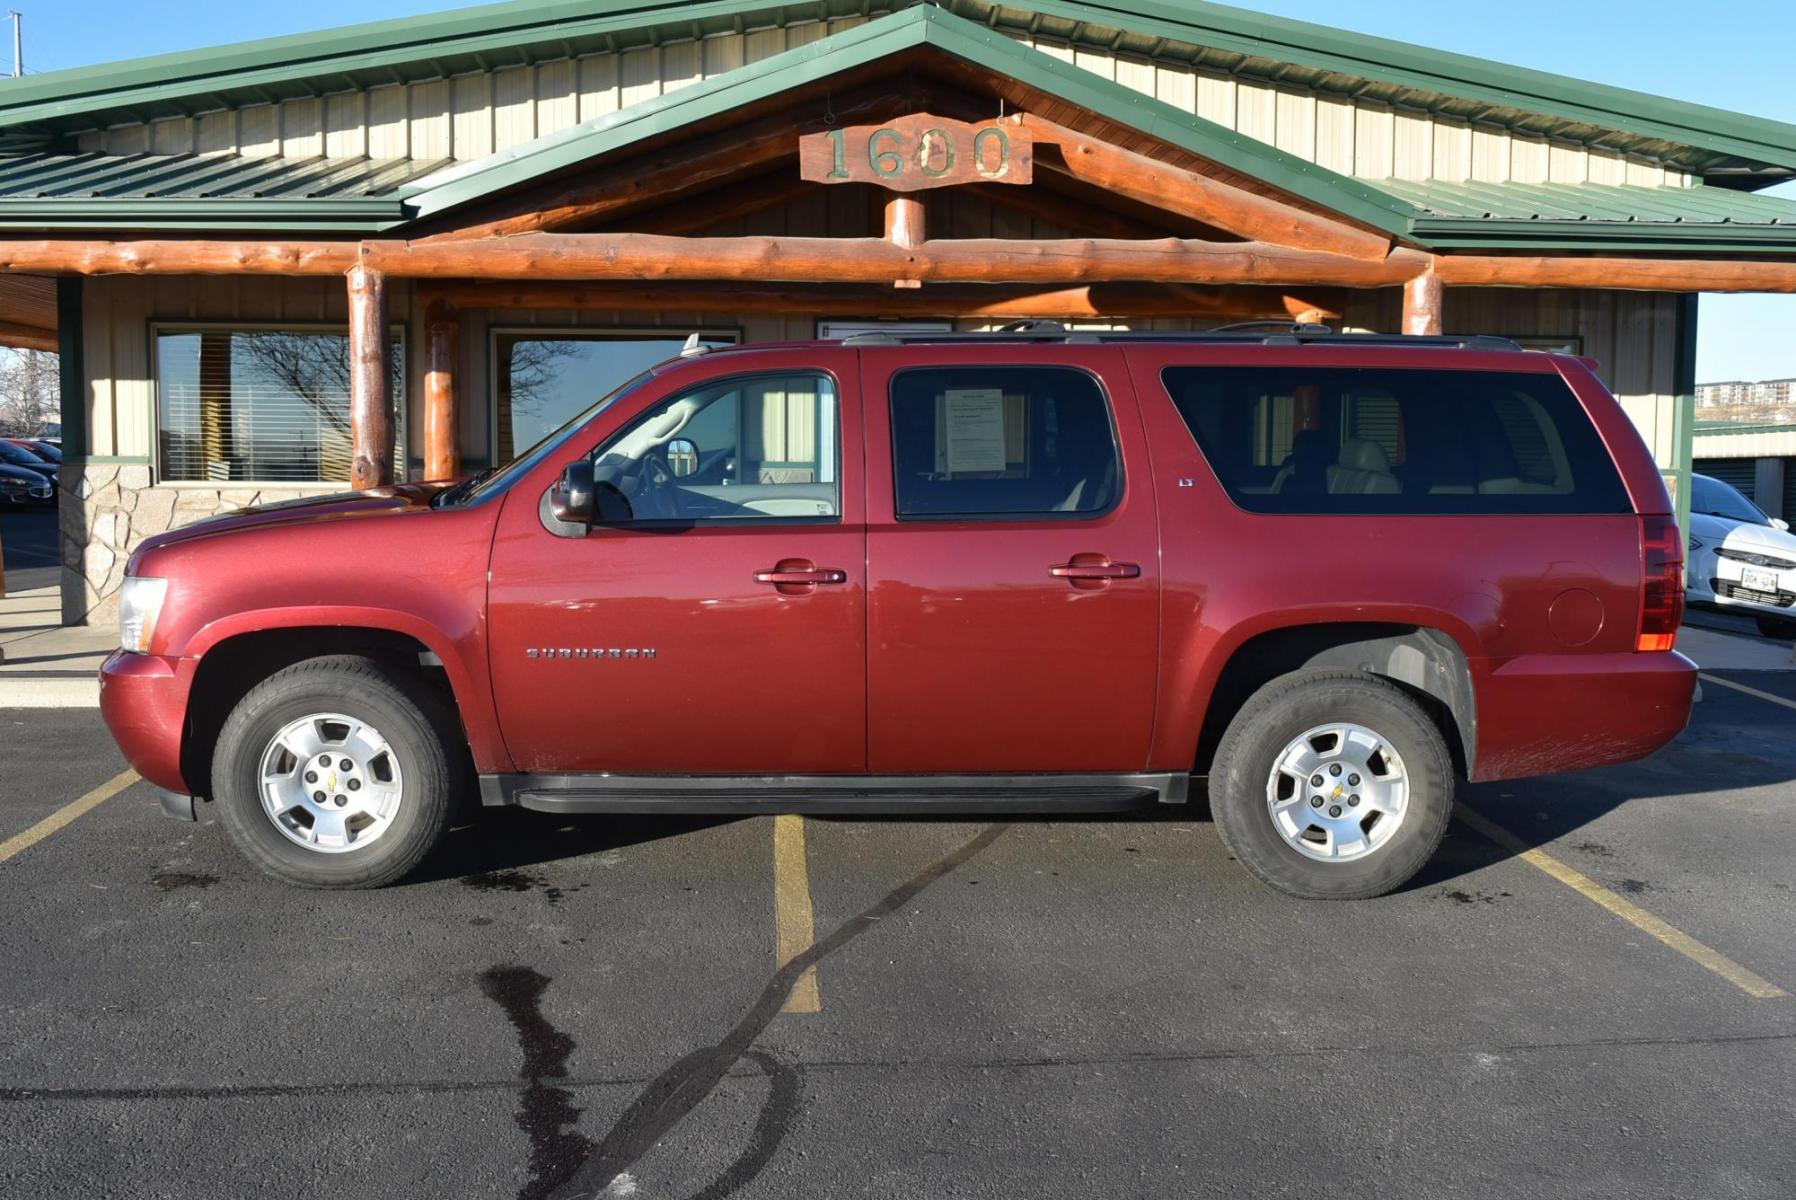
(1757,580)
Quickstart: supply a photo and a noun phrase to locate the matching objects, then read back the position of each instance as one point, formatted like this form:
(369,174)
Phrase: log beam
(1200,197)
(593,256)
(1423,299)
(857,260)
(28,337)
(1094,302)
(370,381)
(176,257)
(442,415)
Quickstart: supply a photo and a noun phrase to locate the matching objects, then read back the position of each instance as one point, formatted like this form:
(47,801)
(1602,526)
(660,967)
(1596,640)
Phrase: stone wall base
(108,509)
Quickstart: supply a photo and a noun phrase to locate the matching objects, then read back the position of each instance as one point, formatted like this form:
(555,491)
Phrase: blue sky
(1735,54)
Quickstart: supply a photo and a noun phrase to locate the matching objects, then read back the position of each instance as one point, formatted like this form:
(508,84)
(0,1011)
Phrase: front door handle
(797,576)
(1094,570)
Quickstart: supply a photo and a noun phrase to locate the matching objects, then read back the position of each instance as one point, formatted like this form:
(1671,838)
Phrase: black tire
(1259,733)
(419,729)
(1776,627)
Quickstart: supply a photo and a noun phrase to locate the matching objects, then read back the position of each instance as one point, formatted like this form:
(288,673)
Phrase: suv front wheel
(1332,786)
(335,773)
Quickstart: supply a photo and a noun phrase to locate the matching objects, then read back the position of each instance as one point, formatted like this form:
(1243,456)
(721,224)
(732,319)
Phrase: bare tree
(30,392)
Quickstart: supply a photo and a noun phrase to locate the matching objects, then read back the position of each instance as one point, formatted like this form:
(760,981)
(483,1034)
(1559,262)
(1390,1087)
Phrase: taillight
(1662,591)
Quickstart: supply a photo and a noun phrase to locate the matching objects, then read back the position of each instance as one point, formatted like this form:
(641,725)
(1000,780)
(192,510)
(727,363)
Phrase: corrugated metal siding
(473,116)
(1740,472)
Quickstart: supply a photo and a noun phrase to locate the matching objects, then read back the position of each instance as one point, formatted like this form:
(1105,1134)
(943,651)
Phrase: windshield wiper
(452,494)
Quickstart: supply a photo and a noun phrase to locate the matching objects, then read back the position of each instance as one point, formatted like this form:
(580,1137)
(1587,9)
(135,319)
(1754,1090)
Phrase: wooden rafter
(1094,302)
(662,179)
(732,202)
(1199,197)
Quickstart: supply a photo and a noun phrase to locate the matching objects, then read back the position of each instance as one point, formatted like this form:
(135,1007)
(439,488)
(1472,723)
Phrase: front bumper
(143,699)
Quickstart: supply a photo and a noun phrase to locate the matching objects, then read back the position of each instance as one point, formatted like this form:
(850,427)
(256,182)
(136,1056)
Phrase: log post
(370,381)
(1423,297)
(442,412)
(905,228)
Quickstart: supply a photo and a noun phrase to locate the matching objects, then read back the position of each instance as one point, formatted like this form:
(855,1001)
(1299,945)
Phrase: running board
(713,795)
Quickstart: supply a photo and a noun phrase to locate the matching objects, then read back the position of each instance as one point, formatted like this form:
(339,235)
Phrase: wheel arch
(234,655)
(1426,662)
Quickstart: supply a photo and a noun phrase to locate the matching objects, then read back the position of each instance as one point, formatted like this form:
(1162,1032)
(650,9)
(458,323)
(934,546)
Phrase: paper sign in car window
(974,422)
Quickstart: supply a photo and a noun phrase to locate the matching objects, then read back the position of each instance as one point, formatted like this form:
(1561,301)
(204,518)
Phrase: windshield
(498,479)
(1713,498)
(17,455)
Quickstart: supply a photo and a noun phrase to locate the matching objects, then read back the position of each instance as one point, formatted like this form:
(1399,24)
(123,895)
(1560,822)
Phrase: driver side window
(758,447)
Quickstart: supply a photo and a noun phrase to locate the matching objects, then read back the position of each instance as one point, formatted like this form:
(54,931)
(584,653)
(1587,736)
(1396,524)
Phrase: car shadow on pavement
(506,839)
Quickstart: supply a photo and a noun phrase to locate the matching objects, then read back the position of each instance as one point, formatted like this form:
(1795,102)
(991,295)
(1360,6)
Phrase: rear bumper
(1545,713)
(143,698)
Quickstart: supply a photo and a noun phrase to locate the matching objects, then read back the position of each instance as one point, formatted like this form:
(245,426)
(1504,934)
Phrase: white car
(1741,560)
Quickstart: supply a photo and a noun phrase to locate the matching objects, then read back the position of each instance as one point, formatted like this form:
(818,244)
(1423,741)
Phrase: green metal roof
(876,40)
(204,191)
(1211,35)
(1595,216)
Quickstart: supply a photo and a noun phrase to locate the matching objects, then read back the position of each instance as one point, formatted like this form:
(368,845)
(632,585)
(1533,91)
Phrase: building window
(262,405)
(545,378)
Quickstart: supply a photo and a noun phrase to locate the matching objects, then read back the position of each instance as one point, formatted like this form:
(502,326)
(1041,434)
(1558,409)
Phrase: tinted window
(1339,440)
(1002,442)
(1717,499)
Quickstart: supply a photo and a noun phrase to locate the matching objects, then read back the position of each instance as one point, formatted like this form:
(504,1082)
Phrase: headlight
(140,603)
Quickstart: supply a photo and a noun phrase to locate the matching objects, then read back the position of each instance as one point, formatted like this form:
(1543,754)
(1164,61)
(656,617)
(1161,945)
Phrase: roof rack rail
(1279,333)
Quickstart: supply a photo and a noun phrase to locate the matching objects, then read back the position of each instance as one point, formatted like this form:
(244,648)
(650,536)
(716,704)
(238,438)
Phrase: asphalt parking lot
(1101,1007)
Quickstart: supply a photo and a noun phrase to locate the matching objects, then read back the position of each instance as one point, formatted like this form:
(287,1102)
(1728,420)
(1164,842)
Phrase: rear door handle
(1102,570)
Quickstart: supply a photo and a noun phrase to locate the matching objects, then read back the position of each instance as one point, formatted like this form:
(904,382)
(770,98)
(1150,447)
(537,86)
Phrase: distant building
(1765,393)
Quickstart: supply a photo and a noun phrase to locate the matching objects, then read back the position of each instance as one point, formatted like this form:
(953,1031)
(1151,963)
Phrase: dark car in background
(50,452)
(25,462)
(20,487)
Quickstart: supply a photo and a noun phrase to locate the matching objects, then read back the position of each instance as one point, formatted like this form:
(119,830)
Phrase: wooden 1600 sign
(917,152)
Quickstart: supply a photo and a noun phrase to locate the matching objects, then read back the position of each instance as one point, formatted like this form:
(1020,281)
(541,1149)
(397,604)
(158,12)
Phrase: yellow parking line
(21,842)
(792,915)
(1704,956)
(1750,691)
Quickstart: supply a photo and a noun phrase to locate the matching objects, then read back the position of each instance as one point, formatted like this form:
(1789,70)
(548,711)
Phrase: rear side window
(993,442)
(1343,440)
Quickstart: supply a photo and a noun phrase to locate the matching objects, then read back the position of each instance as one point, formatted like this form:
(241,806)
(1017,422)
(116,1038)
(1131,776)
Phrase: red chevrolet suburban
(1033,571)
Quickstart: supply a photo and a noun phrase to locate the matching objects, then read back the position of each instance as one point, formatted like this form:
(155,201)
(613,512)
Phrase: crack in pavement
(63,1095)
(673,1094)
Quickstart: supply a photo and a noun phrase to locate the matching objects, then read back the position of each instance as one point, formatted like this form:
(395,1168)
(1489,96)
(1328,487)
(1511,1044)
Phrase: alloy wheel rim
(1337,792)
(330,783)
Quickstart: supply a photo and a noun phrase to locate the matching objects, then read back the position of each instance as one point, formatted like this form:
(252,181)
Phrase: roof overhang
(1748,150)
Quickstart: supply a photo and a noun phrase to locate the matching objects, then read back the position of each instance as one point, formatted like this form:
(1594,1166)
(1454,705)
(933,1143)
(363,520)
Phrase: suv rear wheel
(335,773)
(1776,627)
(1332,786)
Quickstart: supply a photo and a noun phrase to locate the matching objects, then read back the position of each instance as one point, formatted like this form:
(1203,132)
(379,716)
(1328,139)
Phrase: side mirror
(571,499)
(682,457)
(1780,523)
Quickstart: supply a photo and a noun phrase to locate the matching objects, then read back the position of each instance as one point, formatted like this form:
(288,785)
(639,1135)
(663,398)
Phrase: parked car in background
(1036,571)
(12,454)
(20,487)
(48,451)
(1741,560)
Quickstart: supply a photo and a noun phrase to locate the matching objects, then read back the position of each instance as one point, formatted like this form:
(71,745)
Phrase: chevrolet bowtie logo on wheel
(589,652)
